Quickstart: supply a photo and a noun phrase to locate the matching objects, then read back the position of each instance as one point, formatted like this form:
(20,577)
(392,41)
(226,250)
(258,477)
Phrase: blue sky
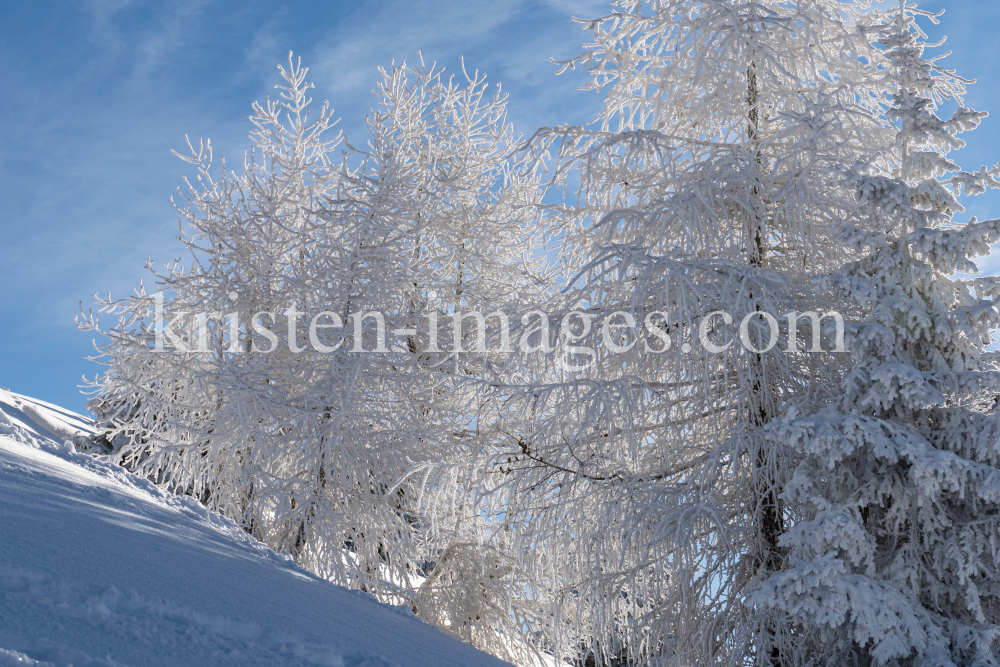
(99,92)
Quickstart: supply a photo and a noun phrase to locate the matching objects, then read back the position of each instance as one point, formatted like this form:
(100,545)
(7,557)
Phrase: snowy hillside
(100,568)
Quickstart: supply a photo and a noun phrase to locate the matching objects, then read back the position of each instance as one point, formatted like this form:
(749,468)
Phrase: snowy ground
(100,568)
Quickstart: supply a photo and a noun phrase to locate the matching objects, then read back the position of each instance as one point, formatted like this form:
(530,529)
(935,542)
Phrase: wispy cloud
(397,29)
(512,42)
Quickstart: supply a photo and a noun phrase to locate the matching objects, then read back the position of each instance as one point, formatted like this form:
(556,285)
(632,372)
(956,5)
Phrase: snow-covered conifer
(894,546)
(645,493)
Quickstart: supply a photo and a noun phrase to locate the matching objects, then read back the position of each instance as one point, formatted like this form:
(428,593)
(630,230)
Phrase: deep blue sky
(99,92)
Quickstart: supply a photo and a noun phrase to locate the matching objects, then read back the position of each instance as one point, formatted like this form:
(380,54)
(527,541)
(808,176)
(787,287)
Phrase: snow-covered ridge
(33,420)
(99,567)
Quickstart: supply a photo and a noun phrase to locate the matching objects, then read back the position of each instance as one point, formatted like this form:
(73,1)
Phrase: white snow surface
(98,567)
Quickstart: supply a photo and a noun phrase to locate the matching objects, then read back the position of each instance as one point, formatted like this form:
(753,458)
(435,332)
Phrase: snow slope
(98,567)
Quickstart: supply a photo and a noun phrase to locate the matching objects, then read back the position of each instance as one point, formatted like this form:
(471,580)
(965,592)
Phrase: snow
(98,567)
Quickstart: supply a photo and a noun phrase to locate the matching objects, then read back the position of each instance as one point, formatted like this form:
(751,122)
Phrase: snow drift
(100,568)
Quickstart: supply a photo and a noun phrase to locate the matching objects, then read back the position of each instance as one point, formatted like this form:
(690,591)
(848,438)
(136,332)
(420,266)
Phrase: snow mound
(100,568)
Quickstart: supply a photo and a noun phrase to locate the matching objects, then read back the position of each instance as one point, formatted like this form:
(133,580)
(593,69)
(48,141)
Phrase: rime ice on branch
(721,175)
(309,451)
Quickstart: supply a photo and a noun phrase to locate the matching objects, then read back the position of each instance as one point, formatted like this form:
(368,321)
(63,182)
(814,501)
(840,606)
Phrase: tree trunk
(762,400)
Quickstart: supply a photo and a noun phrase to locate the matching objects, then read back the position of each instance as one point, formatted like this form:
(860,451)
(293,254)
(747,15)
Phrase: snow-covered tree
(306,440)
(680,468)
(894,553)
(644,492)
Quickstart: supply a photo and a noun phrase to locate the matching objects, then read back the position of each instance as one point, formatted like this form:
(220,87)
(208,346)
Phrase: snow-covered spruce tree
(305,445)
(642,489)
(894,557)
